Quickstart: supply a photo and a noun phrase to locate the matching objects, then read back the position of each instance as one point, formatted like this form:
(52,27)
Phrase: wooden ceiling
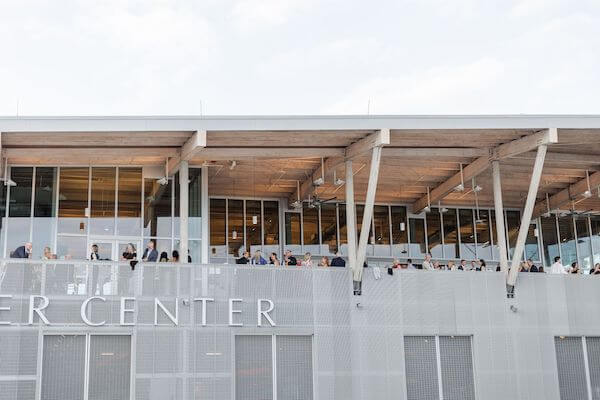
(271,162)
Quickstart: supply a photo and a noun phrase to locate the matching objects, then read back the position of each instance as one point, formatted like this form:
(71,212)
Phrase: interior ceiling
(401,179)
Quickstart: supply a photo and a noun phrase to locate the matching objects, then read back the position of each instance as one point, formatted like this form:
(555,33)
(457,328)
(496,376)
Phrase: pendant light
(460,187)
(476,189)
(254,217)
(588,193)
(547,213)
(234,233)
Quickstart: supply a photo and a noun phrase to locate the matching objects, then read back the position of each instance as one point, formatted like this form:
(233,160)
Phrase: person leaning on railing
(22,251)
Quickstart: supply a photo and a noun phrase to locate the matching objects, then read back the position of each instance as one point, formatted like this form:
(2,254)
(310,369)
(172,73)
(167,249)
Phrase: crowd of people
(290,260)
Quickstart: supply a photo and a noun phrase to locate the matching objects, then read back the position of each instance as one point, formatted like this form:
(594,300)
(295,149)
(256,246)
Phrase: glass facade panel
(451,249)
(292,228)
(310,224)
(381,219)
(329,226)
(360,209)
(567,240)
(129,221)
(342,224)
(217,222)
(235,223)
(102,221)
(417,237)
(467,237)
(483,238)
(157,208)
(44,210)
(194,204)
(495,248)
(595,223)
(532,250)
(73,200)
(513,222)
(584,242)
(71,247)
(271,211)
(549,239)
(253,225)
(3,219)
(399,231)
(20,195)
(434,233)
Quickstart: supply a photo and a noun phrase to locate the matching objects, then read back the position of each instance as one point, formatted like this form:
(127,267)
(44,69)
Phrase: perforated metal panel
(110,367)
(421,368)
(63,371)
(457,367)
(294,368)
(593,353)
(253,367)
(571,368)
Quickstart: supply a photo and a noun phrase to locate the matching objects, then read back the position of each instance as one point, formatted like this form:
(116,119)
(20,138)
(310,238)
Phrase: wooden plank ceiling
(262,173)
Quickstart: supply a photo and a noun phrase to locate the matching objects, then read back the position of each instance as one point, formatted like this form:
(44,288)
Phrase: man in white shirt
(557,267)
(427,264)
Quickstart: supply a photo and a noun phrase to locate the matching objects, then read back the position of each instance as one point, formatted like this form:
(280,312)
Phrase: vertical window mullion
(115,229)
(439,366)
(391,236)
(32,205)
(442,233)
(337,228)
(458,235)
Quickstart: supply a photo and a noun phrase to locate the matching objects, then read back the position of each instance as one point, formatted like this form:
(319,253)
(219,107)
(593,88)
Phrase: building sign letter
(38,310)
(174,319)
(203,300)
(126,310)
(84,307)
(260,312)
(5,296)
(232,311)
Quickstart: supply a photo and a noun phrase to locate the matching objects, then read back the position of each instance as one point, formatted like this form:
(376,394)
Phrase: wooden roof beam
(190,148)
(515,147)
(238,153)
(377,139)
(564,197)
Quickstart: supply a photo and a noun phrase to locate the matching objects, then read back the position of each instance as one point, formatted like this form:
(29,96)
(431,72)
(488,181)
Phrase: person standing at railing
(150,254)
(47,254)
(557,267)
(427,264)
(324,261)
(258,259)
(338,261)
(273,260)
(22,251)
(289,259)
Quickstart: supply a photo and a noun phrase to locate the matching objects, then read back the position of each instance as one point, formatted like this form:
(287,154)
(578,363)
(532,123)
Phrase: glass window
(329,226)
(583,242)
(2,214)
(381,219)
(595,222)
(417,237)
(19,209)
(129,221)
(44,209)
(253,367)
(399,232)
(20,195)
(73,200)
(434,233)
(483,238)
(567,240)
(532,251)
(310,224)
(253,225)
(513,222)
(549,239)
(157,208)
(467,238)
(71,247)
(292,228)
(195,203)
(495,248)
(102,220)
(342,224)
(271,211)
(235,222)
(217,222)
(451,249)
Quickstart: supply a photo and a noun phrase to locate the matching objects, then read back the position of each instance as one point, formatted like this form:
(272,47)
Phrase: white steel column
(205,217)
(368,213)
(184,185)
(499,209)
(350,216)
(527,212)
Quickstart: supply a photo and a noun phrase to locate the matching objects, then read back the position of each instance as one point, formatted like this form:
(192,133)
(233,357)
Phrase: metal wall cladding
(359,350)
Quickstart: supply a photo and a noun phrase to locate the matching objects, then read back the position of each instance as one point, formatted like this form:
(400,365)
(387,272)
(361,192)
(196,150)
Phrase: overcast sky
(104,57)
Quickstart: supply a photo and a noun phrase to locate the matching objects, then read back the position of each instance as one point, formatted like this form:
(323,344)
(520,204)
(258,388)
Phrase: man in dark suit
(338,261)
(22,251)
(150,254)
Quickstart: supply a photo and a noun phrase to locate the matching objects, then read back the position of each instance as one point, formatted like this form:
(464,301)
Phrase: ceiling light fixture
(428,208)
(588,193)
(232,164)
(337,181)
(321,180)
(460,187)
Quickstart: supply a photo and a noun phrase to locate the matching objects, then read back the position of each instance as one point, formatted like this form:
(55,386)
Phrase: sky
(291,57)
